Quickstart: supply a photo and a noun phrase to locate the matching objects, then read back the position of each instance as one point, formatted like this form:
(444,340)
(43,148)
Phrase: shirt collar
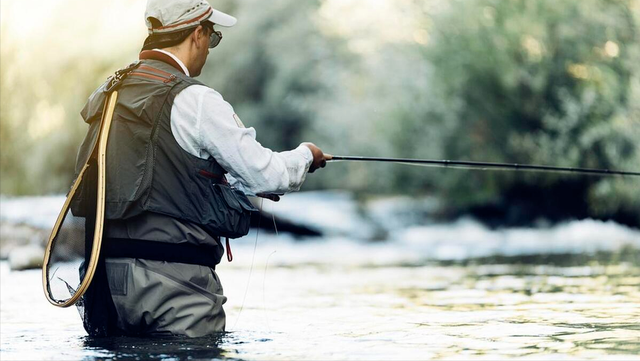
(184,68)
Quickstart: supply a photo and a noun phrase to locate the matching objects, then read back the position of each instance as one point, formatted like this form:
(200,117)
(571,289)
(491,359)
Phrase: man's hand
(319,159)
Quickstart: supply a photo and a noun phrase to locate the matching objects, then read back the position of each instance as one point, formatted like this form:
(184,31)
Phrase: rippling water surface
(583,307)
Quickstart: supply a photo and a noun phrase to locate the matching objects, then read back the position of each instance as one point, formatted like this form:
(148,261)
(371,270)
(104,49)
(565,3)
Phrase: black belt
(159,251)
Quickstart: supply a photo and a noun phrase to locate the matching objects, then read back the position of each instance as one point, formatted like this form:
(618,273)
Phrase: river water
(335,300)
(421,291)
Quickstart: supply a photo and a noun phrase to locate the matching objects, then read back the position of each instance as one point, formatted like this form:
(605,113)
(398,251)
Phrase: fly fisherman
(179,162)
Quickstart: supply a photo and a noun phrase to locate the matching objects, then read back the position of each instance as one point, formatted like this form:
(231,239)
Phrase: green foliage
(48,70)
(271,68)
(539,82)
(40,128)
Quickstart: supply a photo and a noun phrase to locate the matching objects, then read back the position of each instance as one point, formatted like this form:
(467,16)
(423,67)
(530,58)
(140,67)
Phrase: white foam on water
(347,239)
(333,212)
(469,239)
(465,239)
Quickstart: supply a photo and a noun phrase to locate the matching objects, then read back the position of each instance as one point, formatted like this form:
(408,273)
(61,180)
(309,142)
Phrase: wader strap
(159,251)
(229,254)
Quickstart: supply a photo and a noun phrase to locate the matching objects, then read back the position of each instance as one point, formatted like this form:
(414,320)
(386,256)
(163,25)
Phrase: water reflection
(532,309)
(165,348)
(585,310)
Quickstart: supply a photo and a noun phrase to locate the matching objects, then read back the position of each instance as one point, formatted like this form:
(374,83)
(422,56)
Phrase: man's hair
(159,41)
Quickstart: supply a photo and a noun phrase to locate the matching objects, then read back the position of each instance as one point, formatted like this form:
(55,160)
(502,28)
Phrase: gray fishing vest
(147,170)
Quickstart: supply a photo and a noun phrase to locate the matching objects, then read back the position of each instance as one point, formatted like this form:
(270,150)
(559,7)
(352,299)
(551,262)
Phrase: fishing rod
(484,165)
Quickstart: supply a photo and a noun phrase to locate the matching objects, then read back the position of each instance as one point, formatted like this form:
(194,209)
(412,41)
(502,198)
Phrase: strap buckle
(114,81)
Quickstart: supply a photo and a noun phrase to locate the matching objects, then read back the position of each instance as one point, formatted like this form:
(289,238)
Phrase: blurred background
(372,260)
(519,81)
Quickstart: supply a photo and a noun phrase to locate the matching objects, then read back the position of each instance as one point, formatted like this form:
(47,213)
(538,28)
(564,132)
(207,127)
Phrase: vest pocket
(232,211)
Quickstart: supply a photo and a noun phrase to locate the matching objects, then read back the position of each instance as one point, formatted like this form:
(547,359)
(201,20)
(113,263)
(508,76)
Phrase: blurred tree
(272,67)
(48,69)
(40,128)
(279,68)
(539,82)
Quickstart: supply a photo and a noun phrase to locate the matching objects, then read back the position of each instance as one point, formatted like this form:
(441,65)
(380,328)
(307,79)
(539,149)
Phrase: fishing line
(273,217)
(264,279)
(255,247)
(264,282)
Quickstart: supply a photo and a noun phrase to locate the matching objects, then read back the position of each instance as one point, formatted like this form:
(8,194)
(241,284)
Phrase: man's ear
(197,35)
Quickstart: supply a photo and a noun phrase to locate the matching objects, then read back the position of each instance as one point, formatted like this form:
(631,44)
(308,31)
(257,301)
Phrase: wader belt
(159,251)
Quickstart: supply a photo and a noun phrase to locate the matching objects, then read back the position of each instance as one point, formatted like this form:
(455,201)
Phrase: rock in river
(26,257)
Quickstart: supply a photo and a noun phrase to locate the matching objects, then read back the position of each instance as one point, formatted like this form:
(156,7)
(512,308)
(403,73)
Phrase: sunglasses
(215,37)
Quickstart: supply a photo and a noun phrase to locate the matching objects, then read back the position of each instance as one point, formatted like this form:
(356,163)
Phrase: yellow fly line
(98,154)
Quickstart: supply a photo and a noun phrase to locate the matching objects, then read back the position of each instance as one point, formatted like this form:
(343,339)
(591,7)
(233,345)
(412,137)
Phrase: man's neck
(175,57)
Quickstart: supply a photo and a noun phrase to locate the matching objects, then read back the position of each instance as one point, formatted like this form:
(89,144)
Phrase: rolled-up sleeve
(204,124)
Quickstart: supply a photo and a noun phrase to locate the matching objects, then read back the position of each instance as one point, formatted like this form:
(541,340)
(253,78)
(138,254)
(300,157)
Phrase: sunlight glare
(72,27)
(368,24)
(612,49)
(47,119)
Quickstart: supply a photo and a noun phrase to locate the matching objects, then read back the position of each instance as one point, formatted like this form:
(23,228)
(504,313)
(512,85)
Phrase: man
(169,201)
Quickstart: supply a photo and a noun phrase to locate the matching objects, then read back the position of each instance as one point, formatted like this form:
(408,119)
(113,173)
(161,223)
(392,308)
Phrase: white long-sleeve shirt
(205,125)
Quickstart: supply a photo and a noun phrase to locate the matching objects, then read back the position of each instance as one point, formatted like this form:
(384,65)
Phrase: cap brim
(222,19)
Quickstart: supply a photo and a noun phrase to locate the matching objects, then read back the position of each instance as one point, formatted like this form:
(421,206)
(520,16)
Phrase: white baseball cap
(167,16)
